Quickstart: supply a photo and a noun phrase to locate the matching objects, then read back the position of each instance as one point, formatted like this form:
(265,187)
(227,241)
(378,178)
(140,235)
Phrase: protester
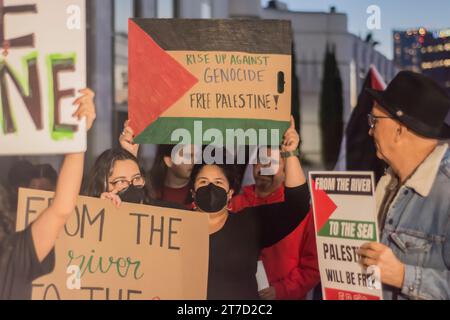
(237,239)
(169,180)
(291,265)
(407,122)
(29,254)
(117,172)
(118,176)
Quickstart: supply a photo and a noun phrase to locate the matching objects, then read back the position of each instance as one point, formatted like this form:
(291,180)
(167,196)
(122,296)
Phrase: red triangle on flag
(377,81)
(323,206)
(156,80)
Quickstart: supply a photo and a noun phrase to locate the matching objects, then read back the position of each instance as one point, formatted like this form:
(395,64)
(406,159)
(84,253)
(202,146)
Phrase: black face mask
(211,198)
(132,195)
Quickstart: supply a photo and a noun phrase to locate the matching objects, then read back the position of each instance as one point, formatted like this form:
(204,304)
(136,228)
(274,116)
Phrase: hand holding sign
(48,226)
(291,138)
(115,199)
(126,139)
(391,269)
(86,107)
(268,294)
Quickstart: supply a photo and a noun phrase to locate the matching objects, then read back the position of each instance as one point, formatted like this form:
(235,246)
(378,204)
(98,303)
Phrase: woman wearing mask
(118,176)
(27,255)
(237,239)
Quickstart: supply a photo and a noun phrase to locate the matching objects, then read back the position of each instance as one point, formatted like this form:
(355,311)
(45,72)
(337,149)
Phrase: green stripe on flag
(160,131)
(347,229)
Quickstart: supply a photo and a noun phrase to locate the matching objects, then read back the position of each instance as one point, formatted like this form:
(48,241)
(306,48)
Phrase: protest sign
(42,66)
(345,218)
(196,75)
(134,252)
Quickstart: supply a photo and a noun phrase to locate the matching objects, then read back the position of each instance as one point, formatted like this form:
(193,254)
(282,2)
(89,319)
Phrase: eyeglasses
(373,119)
(137,181)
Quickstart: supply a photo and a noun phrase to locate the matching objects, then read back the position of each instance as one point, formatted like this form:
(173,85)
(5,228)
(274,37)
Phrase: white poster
(42,67)
(344,219)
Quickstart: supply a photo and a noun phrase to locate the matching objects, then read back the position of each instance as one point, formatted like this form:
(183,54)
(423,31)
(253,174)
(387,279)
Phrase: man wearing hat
(409,122)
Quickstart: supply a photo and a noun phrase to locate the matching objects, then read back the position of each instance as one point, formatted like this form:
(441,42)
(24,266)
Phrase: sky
(395,14)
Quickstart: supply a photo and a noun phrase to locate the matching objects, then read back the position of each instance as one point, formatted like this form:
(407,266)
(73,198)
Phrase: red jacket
(291,264)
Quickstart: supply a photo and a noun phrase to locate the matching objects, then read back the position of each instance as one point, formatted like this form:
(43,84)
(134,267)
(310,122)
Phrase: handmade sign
(134,252)
(208,74)
(345,218)
(42,66)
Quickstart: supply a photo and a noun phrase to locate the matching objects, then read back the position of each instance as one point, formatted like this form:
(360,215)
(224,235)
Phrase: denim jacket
(417,229)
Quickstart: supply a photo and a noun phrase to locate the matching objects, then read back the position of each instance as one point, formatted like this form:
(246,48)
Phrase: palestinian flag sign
(222,74)
(345,218)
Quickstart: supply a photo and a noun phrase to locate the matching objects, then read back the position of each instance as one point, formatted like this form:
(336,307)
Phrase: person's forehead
(125,167)
(210,171)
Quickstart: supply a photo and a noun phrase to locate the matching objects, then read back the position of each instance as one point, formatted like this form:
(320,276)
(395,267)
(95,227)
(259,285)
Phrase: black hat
(417,102)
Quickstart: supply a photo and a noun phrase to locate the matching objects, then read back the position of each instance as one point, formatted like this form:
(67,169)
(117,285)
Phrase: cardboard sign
(208,74)
(345,218)
(42,66)
(134,252)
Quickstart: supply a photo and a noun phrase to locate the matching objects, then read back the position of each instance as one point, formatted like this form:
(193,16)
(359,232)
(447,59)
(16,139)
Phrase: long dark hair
(158,172)
(97,182)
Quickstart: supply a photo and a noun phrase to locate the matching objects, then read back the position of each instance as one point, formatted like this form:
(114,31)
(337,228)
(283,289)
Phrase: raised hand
(291,138)
(86,107)
(126,139)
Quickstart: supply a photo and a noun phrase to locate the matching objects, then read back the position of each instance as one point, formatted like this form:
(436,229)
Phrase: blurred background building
(425,51)
(312,32)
